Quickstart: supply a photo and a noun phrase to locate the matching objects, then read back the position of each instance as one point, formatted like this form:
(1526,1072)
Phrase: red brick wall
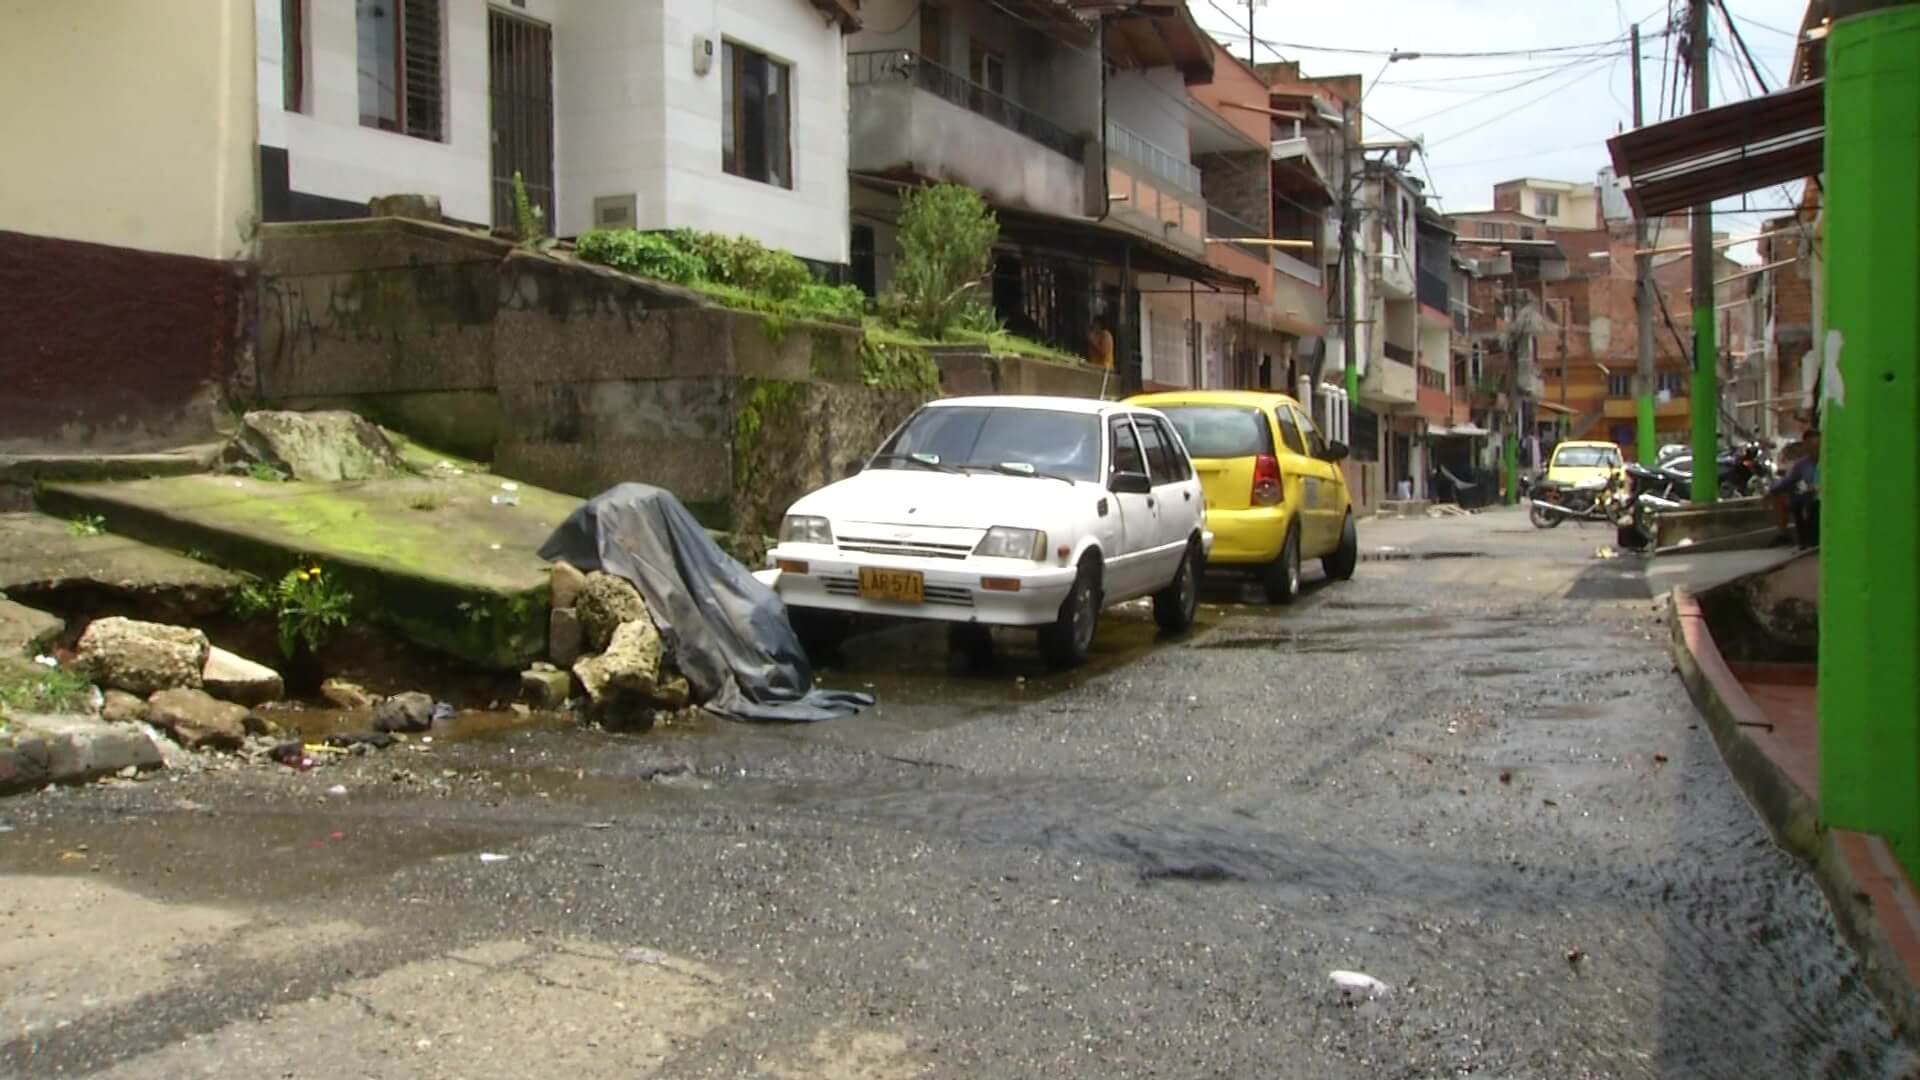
(111,348)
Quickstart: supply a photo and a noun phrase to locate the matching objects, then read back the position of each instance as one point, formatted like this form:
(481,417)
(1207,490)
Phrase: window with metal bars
(755,116)
(402,78)
(293,55)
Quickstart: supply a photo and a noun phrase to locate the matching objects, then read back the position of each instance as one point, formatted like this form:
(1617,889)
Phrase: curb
(1790,814)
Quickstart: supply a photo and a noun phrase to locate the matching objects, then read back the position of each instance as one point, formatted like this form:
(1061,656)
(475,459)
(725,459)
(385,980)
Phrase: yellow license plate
(899,586)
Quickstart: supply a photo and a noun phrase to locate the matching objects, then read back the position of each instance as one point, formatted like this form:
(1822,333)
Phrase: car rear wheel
(1175,605)
(1068,640)
(1283,574)
(1340,565)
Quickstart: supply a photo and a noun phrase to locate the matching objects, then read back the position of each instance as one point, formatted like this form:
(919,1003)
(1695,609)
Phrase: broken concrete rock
(197,720)
(674,691)
(417,207)
(566,584)
(342,694)
(26,630)
(606,603)
(317,446)
(120,707)
(235,678)
(630,663)
(143,657)
(546,689)
(411,711)
(565,639)
(71,749)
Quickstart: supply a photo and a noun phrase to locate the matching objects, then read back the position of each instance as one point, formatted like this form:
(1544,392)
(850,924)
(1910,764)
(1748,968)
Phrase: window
(970,437)
(293,55)
(1315,445)
(1619,386)
(933,33)
(400,69)
(1546,205)
(1126,449)
(1182,469)
(1289,430)
(1674,382)
(1159,453)
(989,69)
(1221,431)
(1489,230)
(1526,232)
(754,117)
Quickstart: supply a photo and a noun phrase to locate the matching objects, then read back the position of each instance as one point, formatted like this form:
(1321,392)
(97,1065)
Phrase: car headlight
(1002,542)
(805,529)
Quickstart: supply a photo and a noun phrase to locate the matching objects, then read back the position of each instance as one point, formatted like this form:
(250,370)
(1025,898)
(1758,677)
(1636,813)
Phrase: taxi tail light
(1268,487)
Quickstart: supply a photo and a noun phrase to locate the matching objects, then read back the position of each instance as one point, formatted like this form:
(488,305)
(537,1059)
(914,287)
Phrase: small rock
(1358,983)
(120,707)
(565,584)
(674,692)
(143,657)
(197,720)
(411,711)
(565,638)
(240,680)
(605,604)
(258,723)
(546,689)
(521,709)
(342,694)
(337,790)
(542,665)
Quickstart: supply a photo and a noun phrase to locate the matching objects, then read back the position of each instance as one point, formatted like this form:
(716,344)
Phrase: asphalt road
(1470,773)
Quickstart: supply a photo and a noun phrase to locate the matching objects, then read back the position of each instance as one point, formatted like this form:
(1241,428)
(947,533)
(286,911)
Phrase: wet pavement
(1469,773)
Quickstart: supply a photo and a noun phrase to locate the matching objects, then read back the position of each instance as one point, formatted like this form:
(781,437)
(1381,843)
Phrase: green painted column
(1870,457)
(1511,462)
(1648,437)
(1706,353)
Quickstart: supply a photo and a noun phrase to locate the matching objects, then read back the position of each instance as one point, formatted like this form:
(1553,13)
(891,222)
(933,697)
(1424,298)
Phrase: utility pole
(1643,295)
(1869,415)
(1706,354)
(1251,4)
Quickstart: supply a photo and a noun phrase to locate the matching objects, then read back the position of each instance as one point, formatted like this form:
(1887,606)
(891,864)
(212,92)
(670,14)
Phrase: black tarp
(724,630)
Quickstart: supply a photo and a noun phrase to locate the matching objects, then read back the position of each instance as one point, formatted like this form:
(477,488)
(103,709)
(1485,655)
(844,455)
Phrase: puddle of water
(314,724)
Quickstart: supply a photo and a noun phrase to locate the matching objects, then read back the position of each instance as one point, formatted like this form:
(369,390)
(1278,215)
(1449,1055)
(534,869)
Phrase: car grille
(875,546)
(948,595)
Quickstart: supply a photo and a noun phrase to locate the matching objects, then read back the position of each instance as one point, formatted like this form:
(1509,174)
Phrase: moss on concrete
(433,557)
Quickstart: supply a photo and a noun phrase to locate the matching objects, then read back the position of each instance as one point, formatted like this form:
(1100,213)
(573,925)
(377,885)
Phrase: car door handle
(1187,495)
(1150,501)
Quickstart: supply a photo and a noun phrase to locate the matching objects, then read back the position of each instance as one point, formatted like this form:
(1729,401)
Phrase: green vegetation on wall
(762,402)
(735,271)
(896,366)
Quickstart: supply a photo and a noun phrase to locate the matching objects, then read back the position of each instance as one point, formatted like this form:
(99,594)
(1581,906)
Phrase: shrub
(646,254)
(745,263)
(947,234)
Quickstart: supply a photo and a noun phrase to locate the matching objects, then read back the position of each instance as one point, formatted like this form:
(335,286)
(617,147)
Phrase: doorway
(520,85)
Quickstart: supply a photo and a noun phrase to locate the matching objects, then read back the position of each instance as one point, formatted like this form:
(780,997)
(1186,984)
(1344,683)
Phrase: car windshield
(966,436)
(1221,431)
(1587,457)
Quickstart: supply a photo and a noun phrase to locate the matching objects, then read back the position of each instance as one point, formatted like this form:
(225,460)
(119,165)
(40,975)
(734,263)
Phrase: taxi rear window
(1221,431)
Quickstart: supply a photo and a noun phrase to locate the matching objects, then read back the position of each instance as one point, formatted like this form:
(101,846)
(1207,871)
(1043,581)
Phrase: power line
(1581,71)
(1486,54)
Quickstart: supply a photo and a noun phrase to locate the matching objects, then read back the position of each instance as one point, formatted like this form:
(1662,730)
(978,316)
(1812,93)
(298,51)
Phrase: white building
(724,115)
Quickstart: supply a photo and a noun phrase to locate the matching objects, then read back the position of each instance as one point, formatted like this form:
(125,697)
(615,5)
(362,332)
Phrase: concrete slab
(435,556)
(60,749)
(1702,571)
(41,554)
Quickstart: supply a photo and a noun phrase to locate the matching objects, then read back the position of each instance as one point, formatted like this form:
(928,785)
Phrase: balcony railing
(899,65)
(1432,290)
(1295,266)
(1224,226)
(1161,163)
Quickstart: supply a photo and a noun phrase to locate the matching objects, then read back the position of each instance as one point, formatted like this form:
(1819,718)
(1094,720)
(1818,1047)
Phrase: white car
(1007,511)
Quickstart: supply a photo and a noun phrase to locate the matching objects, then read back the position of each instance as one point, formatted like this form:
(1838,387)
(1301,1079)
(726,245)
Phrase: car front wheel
(1340,565)
(1175,605)
(1068,640)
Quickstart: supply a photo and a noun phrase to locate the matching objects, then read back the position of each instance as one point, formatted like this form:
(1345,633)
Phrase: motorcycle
(1642,494)
(1550,503)
(1744,471)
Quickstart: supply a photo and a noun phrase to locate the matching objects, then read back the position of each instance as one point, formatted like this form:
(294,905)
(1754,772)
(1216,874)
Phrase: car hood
(923,498)
(1571,475)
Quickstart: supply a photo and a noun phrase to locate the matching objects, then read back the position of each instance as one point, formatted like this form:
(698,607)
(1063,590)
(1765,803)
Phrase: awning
(1707,155)
(1105,242)
(1463,430)
(1154,33)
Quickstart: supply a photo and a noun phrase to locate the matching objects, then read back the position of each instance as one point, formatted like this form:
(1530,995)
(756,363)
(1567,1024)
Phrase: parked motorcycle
(1744,470)
(1642,494)
(1552,503)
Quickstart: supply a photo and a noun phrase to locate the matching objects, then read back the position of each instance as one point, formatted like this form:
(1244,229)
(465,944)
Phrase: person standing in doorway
(1100,345)
(1800,490)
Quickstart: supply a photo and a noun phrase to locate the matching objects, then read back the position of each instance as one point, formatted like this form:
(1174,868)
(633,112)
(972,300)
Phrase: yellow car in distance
(1274,489)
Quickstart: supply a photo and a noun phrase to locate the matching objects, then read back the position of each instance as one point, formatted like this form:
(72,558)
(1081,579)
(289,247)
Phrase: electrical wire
(1581,71)
(1497,91)
(1741,42)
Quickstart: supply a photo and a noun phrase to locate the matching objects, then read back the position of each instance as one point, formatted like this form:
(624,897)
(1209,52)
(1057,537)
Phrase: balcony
(1154,192)
(1397,352)
(908,115)
(1224,226)
(1392,380)
(1302,151)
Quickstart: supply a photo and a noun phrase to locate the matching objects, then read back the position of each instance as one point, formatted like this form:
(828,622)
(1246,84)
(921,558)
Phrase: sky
(1485,120)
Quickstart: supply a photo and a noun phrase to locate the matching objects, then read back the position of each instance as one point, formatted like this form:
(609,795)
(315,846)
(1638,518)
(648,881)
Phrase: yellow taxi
(1575,463)
(1274,490)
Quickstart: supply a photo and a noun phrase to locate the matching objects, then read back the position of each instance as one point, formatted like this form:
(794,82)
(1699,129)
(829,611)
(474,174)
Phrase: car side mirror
(1335,451)
(1130,483)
